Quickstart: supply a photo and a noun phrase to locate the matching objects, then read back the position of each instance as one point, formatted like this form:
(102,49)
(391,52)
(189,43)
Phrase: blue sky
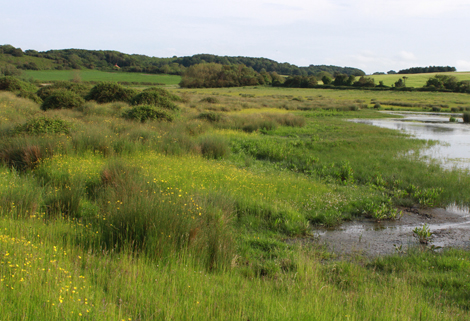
(373,35)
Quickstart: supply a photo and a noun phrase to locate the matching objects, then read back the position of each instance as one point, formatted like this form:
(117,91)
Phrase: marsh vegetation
(183,204)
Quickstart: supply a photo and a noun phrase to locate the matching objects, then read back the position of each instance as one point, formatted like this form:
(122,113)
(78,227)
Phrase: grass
(96,75)
(209,216)
(418,80)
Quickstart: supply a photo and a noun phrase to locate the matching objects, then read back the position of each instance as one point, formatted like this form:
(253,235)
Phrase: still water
(453,149)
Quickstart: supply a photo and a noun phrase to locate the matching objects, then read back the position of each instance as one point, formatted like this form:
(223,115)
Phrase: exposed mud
(450,228)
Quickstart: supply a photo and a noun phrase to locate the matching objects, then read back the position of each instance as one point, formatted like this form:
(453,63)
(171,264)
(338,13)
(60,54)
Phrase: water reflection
(454,138)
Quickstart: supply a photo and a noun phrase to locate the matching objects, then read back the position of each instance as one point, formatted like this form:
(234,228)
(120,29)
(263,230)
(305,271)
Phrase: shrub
(109,92)
(210,100)
(214,147)
(164,93)
(10,83)
(452,119)
(435,108)
(145,112)
(153,98)
(44,125)
(210,116)
(62,98)
(466,117)
(30,95)
(80,89)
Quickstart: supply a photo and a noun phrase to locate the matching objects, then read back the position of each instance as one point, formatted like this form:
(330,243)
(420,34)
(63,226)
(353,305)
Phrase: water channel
(453,149)
(450,226)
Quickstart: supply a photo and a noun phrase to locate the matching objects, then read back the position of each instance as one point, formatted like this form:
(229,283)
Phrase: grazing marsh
(209,215)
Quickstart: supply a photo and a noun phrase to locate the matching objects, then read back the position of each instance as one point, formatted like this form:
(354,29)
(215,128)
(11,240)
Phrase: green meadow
(418,80)
(206,212)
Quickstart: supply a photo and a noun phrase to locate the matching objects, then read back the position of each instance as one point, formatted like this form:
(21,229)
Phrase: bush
(80,89)
(153,98)
(164,93)
(30,95)
(210,100)
(10,83)
(466,117)
(44,125)
(62,98)
(109,92)
(214,147)
(210,116)
(144,113)
(435,108)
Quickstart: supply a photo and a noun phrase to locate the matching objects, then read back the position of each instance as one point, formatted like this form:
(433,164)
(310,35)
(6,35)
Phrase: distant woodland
(430,69)
(111,60)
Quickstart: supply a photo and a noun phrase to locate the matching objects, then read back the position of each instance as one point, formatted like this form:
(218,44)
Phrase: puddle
(450,228)
(454,138)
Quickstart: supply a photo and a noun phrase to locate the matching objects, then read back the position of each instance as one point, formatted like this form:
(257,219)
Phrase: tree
(326,80)
(400,83)
(365,82)
(341,80)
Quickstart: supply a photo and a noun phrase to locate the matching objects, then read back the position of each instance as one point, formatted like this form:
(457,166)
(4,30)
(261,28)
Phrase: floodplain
(211,216)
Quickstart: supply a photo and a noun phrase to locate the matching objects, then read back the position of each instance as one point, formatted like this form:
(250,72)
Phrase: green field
(209,216)
(418,80)
(96,75)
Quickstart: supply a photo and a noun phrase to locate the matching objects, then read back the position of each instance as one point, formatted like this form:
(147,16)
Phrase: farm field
(96,75)
(418,80)
(206,212)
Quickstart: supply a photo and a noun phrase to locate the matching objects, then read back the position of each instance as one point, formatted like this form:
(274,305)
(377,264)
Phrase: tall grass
(126,220)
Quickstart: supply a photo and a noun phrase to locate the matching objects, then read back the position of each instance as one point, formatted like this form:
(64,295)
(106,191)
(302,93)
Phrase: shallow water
(453,149)
(450,227)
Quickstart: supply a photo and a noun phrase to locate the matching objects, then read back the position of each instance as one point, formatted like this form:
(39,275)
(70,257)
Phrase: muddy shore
(450,228)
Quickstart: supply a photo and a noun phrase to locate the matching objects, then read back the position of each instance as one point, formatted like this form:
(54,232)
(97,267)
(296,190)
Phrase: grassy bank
(108,218)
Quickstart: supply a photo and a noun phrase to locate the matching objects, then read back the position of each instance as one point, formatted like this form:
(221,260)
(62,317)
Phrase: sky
(373,35)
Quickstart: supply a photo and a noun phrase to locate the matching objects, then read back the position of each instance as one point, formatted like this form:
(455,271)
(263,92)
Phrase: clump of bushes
(13,84)
(20,88)
(164,93)
(466,117)
(30,95)
(62,98)
(44,125)
(435,108)
(210,116)
(153,98)
(210,100)
(146,112)
(110,92)
(78,88)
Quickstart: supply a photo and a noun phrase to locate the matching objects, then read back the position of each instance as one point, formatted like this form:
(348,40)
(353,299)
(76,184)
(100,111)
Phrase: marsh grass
(144,227)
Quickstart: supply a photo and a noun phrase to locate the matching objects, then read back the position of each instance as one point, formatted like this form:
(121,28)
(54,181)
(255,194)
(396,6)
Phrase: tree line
(430,69)
(112,60)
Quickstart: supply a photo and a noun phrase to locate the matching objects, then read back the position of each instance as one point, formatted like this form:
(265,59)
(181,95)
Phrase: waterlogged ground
(453,149)
(450,227)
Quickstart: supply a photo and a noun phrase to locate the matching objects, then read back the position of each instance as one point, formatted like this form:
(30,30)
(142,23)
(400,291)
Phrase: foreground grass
(195,219)
(42,279)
